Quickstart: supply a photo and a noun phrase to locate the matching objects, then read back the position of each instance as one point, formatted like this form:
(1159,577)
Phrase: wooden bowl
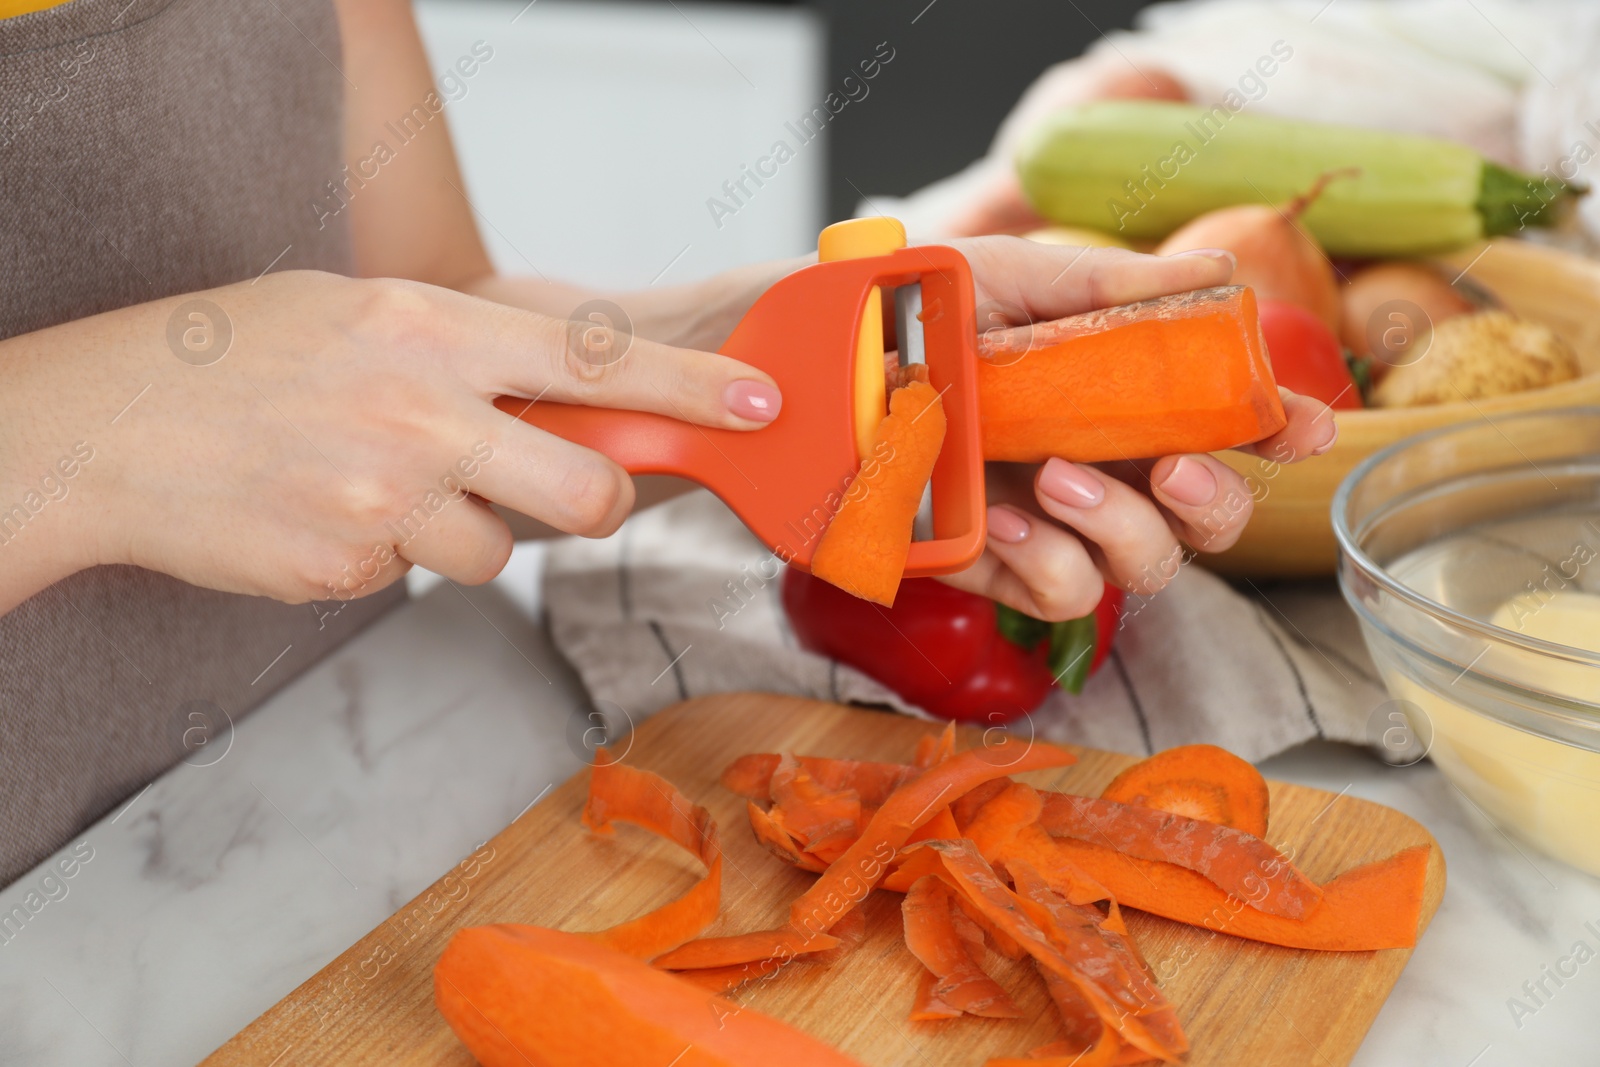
(1291,535)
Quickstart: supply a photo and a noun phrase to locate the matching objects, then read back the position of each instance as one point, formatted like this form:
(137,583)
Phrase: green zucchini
(1141,169)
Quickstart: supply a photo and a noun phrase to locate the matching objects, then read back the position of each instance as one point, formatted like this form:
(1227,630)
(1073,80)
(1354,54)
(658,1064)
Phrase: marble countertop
(236,876)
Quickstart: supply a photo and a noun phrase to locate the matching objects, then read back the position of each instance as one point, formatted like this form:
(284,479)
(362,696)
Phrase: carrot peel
(620,792)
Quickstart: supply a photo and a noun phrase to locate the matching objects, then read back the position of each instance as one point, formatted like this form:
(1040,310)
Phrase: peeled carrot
(1200,781)
(933,937)
(520,995)
(1203,382)
(743,948)
(864,547)
(1238,863)
(852,876)
(1375,906)
(620,792)
(751,776)
(721,980)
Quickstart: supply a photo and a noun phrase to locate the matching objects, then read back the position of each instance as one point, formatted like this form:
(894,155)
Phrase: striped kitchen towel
(683,601)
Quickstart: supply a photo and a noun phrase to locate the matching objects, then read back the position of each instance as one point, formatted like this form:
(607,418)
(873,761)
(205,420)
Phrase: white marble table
(222,887)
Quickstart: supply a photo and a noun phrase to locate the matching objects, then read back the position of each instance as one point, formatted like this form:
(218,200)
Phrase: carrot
(751,776)
(520,995)
(620,792)
(933,937)
(1238,863)
(1089,967)
(776,840)
(742,948)
(1375,906)
(863,550)
(1201,369)
(849,879)
(1200,781)
(926,1005)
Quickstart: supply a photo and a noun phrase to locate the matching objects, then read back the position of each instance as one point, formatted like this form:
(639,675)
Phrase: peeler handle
(784,481)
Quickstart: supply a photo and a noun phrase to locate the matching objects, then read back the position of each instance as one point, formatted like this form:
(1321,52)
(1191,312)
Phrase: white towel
(674,606)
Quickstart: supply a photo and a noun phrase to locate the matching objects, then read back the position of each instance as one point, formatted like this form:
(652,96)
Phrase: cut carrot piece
(1181,373)
(720,980)
(619,792)
(1199,781)
(1084,962)
(864,548)
(751,776)
(931,748)
(926,1007)
(1375,906)
(776,840)
(1238,863)
(743,948)
(849,879)
(517,995)
(933,937)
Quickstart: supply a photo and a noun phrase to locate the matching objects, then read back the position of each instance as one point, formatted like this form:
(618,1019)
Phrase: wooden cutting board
(1240,1001)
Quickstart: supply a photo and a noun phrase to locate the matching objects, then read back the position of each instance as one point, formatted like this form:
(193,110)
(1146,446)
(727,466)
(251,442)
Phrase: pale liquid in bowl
(1539,576)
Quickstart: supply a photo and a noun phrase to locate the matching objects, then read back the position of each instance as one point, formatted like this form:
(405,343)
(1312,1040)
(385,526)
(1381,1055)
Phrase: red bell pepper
(953,654)
(1307,357)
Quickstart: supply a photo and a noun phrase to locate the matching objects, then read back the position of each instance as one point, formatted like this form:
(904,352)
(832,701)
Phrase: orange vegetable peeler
(819,333)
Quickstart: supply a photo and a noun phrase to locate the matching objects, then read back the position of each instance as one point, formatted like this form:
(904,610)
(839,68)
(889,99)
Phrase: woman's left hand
(1057,530)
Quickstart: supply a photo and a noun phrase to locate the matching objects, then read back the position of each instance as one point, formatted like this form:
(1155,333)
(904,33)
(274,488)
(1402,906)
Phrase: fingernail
(1189,482)
(1333,435)
(1221,255)
(1007,526)
(753,400)
(1070,484)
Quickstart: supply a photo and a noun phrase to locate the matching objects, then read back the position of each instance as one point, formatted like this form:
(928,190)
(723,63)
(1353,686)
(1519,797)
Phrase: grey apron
(150,148)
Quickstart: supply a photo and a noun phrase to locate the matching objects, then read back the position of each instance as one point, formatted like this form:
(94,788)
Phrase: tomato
(1306,356)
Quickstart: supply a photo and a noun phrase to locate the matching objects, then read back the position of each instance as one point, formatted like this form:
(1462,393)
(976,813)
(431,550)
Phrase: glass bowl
(1471,555)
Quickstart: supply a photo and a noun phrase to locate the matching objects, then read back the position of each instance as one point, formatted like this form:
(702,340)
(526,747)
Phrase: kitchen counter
(234,877)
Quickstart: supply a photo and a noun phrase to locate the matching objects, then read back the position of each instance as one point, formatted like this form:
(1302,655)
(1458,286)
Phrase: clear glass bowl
(1471,555)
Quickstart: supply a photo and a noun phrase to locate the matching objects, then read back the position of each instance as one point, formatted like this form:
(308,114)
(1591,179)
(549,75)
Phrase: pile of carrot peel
(986,863)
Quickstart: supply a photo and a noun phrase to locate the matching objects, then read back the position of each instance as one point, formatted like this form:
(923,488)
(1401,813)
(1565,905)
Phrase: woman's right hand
(346,432)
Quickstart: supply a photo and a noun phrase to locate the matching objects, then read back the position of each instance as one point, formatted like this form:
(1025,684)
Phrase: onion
(1277,257)
(1419,299)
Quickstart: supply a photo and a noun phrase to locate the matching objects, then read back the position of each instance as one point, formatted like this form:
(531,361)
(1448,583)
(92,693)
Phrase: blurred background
(594,137)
